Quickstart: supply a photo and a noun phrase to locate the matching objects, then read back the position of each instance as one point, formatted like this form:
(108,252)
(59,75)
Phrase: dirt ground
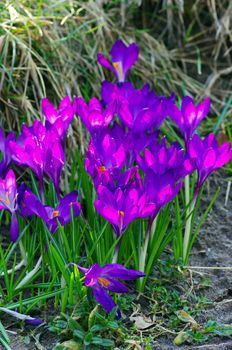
(213,249)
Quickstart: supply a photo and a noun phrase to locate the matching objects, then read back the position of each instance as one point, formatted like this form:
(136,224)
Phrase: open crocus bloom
(8,201)
(58,119)
(31,205)
(124,204)
(142,110)
(123,58)
(93,115)
(190,116)
(106,278)
(206,155)
(160,189)
(161,159)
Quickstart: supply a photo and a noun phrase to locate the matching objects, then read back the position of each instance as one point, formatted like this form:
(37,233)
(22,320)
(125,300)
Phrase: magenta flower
(123,58)
(160,189)
(162,160)
(92,115)
(5,150)
(206,155)
(58,119)
(8,201)
(190,116)
(123,205)
(31,205)
(41,150)
(110,148)
(106,278)
(115,92)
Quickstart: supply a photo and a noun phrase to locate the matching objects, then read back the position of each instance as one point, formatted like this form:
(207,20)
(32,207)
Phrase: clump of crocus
(107,279)
(8,201)
(123,58)
(41,150)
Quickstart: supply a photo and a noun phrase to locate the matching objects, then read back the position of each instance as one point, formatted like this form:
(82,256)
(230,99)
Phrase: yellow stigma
(121,214)
(103,282)
(118,68)
(101,169)
(55,213)
(7,200)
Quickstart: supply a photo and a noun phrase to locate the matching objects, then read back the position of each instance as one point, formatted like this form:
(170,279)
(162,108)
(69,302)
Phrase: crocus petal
(49,110)
(64,207)
(14,228)
(110,214)
(28,319)
(103,61)
(209,158)
(113,285)
(103,298)
(202,110)
(121,272)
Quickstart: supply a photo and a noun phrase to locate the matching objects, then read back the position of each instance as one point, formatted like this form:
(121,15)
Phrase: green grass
(49,48)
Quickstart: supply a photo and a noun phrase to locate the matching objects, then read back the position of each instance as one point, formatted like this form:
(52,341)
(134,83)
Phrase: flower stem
(23,253)
(115,256)
(41,185)
(187,190)
(143,255)
(188,226)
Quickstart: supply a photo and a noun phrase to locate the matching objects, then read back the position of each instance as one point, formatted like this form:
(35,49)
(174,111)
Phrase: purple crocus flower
(160,189)
(190,116)
(139,110)
(123,58)
(58,119)
(161,160)
(115,92)
(106,278)
(110,147)
(8,201)
(92,115)
(123,205)
(41,150)
(5,150)
(30,204)
(206,155)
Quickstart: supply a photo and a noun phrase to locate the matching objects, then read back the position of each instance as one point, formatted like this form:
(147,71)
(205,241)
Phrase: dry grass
(49,48)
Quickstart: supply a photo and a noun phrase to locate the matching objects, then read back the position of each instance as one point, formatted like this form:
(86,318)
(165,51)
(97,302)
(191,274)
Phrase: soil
(213,249)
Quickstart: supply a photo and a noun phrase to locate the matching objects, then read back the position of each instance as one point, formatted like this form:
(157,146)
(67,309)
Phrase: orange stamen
(103,282)
(55,213)
(101,169)
(118,68)
(121,213)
